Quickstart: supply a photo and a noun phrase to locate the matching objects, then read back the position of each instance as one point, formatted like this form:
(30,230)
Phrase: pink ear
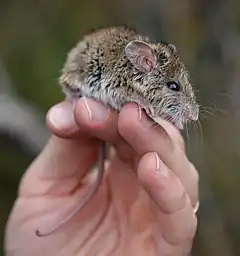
(141,55)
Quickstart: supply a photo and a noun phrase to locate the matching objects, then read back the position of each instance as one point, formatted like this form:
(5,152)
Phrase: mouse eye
(174,86)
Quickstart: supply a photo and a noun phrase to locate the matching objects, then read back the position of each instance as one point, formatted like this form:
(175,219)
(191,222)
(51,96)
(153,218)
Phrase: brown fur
(99,68)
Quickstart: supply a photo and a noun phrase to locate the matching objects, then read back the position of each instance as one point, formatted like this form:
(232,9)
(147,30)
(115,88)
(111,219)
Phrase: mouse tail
(95,186)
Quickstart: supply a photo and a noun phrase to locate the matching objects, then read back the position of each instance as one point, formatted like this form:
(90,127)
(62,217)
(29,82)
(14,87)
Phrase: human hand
(145,205)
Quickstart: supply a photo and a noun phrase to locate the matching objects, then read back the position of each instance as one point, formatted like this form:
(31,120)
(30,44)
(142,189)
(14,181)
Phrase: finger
(141,133)
(92,116)
(84,117)
(60,120)
(178,221)
(172,132)
(98,121)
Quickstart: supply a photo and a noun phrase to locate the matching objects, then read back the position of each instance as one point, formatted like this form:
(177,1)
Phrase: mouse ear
(141,55)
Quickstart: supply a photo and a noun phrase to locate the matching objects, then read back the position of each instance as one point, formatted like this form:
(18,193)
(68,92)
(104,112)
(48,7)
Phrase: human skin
(145,205)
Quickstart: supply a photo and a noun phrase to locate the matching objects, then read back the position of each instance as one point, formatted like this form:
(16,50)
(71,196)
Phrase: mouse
(117,65)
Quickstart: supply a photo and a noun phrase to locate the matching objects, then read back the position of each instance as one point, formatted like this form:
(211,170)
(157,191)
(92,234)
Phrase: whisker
(222,110)
(210,113)
(225,94)
(204,116)
(201,131)
(213,109)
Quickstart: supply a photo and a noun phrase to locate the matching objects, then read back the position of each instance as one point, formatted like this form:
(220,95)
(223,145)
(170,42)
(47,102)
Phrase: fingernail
(96,111)
(146,122)
(196,207)
(160,167)
(62,117)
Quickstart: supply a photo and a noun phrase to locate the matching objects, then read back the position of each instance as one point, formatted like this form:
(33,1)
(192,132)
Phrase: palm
(121,218)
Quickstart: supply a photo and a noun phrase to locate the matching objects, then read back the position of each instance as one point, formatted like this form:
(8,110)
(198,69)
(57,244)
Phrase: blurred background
(35,37)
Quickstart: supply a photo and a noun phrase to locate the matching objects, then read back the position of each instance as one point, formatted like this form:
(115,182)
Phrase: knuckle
(195,175)
(183,235)
(194,191)
(192,230)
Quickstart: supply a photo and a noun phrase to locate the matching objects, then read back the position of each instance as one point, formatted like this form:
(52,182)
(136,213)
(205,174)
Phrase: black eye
(174,86)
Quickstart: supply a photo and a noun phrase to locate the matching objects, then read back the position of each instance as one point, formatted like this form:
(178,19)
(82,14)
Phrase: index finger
(140,133)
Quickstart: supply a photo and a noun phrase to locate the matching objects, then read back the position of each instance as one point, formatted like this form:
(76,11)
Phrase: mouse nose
(193,113)
(193,117)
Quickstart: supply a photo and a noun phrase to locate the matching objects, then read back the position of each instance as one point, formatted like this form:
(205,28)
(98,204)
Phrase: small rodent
(116,66)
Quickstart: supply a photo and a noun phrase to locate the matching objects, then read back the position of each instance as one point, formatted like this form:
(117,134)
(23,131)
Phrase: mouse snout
(193,112)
